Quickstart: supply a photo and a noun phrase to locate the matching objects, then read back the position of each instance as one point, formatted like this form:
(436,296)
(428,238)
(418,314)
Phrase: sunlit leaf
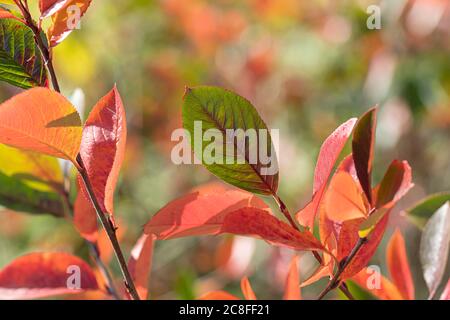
(395,184)
(199,213)
(328,155)
(434,247)
(49,7)
(292,285)
(446,293)
(21,63)
(344,198)
(30,182)
(363,148)
(140,264)
(247,289)
(237,163)
(39,275)
(398,265)
(66,19)
(218,295)
(84,215)
(378,285)
(424,209)
(43,121)
(103,147)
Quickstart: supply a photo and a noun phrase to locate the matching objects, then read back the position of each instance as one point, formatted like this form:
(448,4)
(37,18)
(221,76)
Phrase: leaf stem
(110,231)
(334,282)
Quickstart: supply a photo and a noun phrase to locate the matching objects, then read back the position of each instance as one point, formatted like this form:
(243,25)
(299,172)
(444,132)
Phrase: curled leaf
(434,247)
(247,289)
(140,264)
(292,286)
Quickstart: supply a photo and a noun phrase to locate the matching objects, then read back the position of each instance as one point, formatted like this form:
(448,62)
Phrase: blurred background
(307,66)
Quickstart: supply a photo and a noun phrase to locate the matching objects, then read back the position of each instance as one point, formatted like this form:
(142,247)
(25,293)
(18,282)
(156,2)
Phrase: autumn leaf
(30,182)
(64,20)
(292,286)
(378,285)
(199,213)
(328,155)
(237,163)
(43,121)
(84,215)
(261,224)
(396,182)
(247,289)
(140,264)
(434,247)
(398,265)
(49,7)
(21,63)
(103,147)
(39,275)
(363,143)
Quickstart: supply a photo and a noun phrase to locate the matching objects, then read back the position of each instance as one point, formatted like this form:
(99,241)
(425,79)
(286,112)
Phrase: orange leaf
(344,198)
(64,20)
(41,120)
(329,152)
(218,295)
(84,215)
(247,289)
(199,213)
(103,147)
(5,14)
(377,285)
(38,275)
(292,287)
(140,264)
(397,262)
(49,7)
(260,224)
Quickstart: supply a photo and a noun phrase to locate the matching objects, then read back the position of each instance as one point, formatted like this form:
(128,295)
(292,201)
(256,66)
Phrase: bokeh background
(307,66)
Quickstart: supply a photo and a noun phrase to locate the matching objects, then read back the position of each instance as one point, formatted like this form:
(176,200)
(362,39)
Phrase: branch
(283,208)
(334,282)
(110,231)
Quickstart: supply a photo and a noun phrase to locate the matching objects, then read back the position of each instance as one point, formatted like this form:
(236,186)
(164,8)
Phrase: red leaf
(84,215)
(395,184)
(348,237)
(247,289)
(38,275)
(384,290)
(292,287)
(446,293)
(103,147)
(5,14)
(329,152)
(43,121)
(199,213)
(140,264)
(218,295)
(363,146)
(397,262)
(258,223)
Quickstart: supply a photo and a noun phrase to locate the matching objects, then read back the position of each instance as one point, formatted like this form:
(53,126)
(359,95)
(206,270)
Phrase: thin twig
(283,208)
(110,231)
(341,268)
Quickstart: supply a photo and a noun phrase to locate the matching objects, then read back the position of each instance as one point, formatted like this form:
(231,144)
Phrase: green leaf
(21,63)
(237,163)
(366,227)
(424,209)
(29,182)
(434,247)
